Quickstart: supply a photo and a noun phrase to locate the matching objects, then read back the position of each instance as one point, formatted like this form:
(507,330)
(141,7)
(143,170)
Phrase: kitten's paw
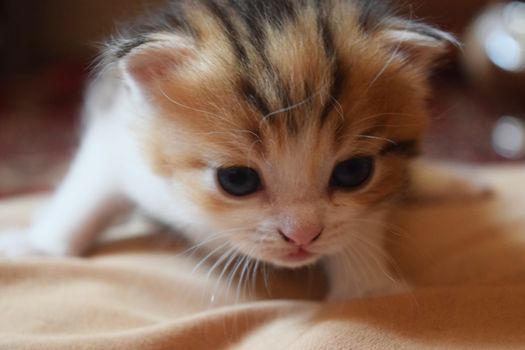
(15,243)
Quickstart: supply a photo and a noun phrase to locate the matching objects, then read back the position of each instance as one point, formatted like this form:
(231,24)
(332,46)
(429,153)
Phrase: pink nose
(301,236)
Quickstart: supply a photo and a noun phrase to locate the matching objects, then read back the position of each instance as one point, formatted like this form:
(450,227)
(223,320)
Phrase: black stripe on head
(231,32)
(257,13)
(273,11)
(324,29)
(252,96)
(338,79)
(338,76)
(408,148)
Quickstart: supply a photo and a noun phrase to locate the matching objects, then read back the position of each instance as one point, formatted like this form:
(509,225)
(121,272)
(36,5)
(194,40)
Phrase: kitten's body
(288,88)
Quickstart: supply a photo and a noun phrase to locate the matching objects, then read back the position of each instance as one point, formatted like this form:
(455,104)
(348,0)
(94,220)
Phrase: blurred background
(46,47)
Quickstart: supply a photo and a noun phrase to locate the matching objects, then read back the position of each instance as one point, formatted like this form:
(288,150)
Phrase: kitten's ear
(416,43)
(154,59)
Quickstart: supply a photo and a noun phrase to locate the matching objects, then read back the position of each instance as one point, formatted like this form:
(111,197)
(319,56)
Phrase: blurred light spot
(508,137)
(504,51)
(514,14)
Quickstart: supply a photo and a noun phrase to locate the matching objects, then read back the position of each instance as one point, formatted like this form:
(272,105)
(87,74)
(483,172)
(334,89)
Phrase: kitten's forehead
(279,60)
(312,78)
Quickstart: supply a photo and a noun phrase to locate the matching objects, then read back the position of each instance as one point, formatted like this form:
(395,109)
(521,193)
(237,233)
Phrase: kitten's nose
(301,236)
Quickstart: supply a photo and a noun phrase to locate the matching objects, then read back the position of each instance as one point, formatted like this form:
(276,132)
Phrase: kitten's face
(296,156)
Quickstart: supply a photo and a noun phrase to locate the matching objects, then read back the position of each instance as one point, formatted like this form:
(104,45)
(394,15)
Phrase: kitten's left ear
(417,43)
(153,59)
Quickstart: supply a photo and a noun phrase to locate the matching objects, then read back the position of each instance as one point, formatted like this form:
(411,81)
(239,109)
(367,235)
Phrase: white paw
(15,243)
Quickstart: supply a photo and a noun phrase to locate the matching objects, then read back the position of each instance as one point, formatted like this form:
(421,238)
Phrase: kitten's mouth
(299,255)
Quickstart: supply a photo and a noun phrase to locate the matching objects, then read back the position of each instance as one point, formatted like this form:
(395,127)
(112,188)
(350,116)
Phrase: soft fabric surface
(467,260)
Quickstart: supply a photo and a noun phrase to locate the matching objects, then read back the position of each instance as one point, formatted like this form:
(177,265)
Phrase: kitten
(278,129)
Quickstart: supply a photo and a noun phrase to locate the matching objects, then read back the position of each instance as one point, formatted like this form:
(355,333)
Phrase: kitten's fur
(287,87)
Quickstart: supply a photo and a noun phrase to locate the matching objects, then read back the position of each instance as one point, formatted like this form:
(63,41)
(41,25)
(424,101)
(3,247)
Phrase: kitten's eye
(239,181)
(352,173)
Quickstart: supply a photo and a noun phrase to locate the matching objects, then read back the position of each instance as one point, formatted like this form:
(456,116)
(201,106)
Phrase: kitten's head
(285,132)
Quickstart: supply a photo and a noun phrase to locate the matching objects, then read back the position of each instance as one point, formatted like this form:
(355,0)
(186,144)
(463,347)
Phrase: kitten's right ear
(416,43)
(154,59)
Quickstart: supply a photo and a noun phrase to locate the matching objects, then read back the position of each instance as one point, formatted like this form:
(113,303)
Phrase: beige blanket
(467,261)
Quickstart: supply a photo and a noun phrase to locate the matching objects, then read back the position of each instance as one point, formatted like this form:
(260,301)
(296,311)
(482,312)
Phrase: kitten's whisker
(372,272)
(296,105)
(213,237)
(349,256)
(372,251)
(339,108)
(254,277)
(377,138)
(195,247)
(244,272)
(266,279)
(249,154)
(208,256)
(250,292)
(378,249)
(365,121)
(287,109)
(252,262)
(230,259)
(222,118)
(232,274)
(368,118)
(188,107)
(362,265)
(389,259)
(219,261)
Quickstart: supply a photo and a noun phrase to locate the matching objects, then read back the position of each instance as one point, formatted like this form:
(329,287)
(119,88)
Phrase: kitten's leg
(352,277)
(82,206)
(436,182)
